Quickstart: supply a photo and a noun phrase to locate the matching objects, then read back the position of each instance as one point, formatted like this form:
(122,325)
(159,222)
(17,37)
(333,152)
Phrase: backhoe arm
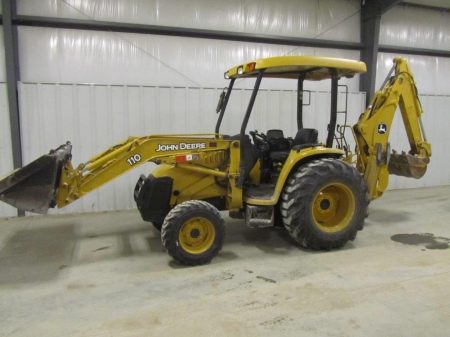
(372,131)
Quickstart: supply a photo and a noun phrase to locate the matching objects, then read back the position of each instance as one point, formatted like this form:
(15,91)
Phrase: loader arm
(51,180)
(180,150)
(372,131)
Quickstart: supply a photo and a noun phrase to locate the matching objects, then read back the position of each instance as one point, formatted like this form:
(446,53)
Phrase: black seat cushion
(276,140)
(306,136)
(275,134)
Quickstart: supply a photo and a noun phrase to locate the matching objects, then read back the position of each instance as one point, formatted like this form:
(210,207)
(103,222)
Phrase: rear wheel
(324,204)
(193,232)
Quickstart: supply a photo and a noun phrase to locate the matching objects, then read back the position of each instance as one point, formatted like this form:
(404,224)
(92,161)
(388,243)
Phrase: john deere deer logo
(382,128)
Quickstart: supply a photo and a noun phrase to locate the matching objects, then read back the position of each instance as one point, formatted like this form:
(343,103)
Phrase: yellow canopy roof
(313,67)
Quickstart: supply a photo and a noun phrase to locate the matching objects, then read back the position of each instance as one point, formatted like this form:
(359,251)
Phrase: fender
(295,158)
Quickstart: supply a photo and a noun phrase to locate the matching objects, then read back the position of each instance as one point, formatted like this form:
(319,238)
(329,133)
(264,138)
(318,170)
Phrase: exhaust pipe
(33,187)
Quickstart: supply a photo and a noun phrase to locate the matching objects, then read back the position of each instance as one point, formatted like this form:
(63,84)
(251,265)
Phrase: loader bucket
(407,165)
(33,187)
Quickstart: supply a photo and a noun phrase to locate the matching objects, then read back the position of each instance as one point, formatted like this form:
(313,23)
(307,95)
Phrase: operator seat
(303,138)
(279,146)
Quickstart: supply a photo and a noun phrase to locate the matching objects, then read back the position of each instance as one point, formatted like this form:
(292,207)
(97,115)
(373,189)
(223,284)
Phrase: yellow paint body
(290,66)
(190,185)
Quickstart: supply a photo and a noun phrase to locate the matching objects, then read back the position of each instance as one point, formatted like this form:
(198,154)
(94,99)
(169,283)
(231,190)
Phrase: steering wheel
(260,140)
(257,137)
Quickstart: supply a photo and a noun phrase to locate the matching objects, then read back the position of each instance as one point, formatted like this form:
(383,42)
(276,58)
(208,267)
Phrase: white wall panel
(416,27)
(431,73)
(436,120)
(329,19)
(72,56)
(6,163)
(2,57)
(95,117)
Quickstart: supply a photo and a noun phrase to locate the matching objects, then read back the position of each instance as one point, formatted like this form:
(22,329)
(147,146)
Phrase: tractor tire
(193,232)
(324,203)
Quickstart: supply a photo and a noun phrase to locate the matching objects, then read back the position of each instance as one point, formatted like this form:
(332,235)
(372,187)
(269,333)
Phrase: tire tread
(170,229)
(294,201)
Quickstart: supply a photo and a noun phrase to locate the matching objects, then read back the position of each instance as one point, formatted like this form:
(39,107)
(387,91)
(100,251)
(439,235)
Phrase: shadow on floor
(39,254)
(273,240)
(103,245)
(385,216)
(36,255)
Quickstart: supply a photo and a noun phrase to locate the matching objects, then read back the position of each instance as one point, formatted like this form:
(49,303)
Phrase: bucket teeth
(33,187)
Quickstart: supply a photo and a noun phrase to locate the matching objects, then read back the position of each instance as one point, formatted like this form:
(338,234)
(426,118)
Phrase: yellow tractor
(317,190)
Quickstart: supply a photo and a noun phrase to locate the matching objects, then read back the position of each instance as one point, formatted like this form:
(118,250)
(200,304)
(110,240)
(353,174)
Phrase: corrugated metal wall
(416,27)
(6,164)
(77,56)
(329,19)
(73,56)
(436,120)
(420,28)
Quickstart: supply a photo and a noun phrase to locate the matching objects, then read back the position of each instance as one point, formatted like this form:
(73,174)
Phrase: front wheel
(324,204)
(193,232)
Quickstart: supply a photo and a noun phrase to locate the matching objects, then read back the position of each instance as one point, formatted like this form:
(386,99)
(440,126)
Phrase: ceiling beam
(424,6)
(12,77)
(413,51)
(38,21)
(371,12)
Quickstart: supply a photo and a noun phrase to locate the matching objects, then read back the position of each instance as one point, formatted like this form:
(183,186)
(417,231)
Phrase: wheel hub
(196,235)
(333,207)
(325,204)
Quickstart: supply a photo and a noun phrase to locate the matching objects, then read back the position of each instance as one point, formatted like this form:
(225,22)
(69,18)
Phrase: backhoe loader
(319,190)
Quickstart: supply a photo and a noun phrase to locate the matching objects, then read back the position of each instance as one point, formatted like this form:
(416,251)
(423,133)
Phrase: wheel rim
(196,235)
(333,207)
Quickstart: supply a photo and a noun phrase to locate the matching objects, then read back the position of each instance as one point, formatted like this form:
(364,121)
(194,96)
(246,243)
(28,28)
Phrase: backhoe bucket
(33,187)
(407,165)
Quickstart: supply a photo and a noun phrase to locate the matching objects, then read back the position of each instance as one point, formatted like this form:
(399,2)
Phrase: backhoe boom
(372,131)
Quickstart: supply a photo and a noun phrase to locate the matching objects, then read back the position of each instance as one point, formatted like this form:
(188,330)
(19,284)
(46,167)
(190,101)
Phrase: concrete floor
(107,275)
